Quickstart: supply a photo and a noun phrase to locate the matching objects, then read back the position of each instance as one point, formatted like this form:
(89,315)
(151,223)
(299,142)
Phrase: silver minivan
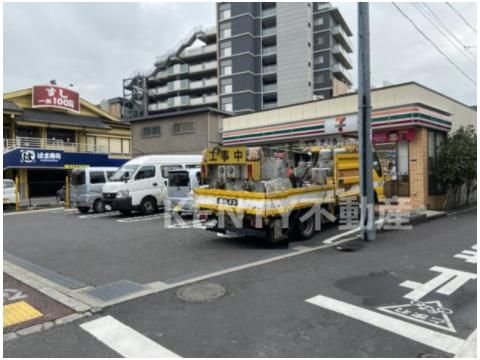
(86,187)
(180,189)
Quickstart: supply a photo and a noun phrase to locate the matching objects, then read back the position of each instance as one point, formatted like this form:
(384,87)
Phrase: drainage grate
(201,292)
(63,280)
(115,290)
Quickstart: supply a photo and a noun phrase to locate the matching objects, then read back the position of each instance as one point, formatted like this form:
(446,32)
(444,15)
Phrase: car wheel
(83,210)
(148,206)
(306,228)
(98,206)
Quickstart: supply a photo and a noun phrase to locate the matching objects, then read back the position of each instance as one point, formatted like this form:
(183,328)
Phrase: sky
(95,45)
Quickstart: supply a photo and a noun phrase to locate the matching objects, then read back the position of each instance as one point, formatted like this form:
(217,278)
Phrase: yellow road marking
(19,312)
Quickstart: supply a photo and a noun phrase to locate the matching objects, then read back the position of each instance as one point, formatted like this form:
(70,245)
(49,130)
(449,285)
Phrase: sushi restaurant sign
(55,97)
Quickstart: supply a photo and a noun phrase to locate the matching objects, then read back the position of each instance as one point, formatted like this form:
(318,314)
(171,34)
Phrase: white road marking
(124,340)
(446,343)
(142,218)
(469,348)
(93,216)
(449,278)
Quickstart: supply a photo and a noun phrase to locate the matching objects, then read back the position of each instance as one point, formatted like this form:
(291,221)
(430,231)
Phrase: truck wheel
(98,206)
(83,210)
(148,205)
(306,228)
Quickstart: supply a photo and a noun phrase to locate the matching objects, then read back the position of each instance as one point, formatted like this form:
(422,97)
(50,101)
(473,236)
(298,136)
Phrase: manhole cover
(201,292)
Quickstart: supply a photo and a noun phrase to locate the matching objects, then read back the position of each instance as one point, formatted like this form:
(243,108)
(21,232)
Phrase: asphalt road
(265,313)
(104,248)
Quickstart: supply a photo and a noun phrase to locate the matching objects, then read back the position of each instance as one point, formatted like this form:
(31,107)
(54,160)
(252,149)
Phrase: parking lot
(98,249)
(408,294)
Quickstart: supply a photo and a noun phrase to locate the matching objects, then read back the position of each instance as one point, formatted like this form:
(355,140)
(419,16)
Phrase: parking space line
(57,209)
(142,218)
(124,340)
(93,216)
(446,343)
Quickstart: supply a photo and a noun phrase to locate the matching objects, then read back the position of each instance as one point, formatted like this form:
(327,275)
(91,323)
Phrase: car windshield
(78,177)
(8,184)
(178,179)
(124,173)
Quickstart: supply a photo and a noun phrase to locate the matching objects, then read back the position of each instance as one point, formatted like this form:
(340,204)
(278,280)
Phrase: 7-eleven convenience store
(409,122)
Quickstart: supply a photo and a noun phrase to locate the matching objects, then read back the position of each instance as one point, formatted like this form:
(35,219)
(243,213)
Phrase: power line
(430,41)
(464,20)
(461,49)
(445,27)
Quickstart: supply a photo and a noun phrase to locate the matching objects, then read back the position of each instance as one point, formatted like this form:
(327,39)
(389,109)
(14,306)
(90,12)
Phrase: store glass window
(434,143)
(403,183)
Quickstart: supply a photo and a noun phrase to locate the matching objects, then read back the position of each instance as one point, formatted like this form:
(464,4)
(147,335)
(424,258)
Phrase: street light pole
(367,216)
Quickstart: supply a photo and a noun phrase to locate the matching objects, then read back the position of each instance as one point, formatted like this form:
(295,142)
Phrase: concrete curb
(54,291)
(45,326)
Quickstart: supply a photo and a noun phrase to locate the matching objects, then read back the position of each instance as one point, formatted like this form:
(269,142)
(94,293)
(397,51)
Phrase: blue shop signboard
(44,158)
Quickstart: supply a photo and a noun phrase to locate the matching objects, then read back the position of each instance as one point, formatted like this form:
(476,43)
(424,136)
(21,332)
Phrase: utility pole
(367,215)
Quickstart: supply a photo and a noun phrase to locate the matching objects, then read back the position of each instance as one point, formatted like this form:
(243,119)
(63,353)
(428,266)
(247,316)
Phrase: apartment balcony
(269,12)
(198,51)
(341,36)
(343,74)
(201,100)
(206,66)
(269,69)
(339,52)
(269,88)
(269,31)
(271,50)
(49,144)
(205,83)
(269,105)
(161,90)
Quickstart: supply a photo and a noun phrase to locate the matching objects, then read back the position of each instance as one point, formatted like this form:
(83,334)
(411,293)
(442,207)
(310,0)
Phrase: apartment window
(67,136)
(320,59)
(226,86)
(225,30)
(183,128)
(319,40)
(319,78)
(227,104)
(224,11)
(225,48)
(226,67)
(150,131)
(318,21)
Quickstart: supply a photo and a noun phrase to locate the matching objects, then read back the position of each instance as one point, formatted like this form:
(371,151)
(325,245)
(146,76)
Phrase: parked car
(61,194)
(141,183)
(9,190)
(86,187)
(181,184)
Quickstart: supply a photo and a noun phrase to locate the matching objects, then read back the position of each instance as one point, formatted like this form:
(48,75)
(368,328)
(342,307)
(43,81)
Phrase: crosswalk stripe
(124,340)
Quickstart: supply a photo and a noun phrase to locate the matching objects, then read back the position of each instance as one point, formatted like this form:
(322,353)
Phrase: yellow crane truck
(265,192)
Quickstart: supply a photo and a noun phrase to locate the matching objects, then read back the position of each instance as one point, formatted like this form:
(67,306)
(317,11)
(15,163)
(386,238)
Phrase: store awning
(64,119)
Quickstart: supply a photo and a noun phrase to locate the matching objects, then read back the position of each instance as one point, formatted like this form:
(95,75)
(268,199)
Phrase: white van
(9,192)
(141,183)
(181,184)
(86,187)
